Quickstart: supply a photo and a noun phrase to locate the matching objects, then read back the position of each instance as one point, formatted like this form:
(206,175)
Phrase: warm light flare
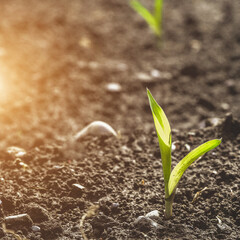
(2,86)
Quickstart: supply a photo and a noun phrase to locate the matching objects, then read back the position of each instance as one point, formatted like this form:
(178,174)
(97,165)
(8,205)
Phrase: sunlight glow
(3,90)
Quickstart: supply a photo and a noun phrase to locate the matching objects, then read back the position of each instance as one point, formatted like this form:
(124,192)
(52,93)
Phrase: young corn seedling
(154,19)
(171,178)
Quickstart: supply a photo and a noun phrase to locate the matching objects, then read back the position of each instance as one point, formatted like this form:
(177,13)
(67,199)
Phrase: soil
(57,58)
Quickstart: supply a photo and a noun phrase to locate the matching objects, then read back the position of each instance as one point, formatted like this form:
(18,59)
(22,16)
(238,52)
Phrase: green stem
(168,209)
(168,206)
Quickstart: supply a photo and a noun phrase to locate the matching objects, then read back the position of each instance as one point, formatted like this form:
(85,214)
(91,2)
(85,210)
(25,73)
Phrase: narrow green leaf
(181,167)
(143,12)
(164,136)
(163,126)
(158,13)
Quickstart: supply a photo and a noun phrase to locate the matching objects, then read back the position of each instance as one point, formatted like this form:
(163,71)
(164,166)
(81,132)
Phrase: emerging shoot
(171,178)
(154,19)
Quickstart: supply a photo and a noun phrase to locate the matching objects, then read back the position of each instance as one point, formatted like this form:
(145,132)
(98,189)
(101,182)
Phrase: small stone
(222,226)
(187,146)
(85,42)
(145,223)
(115,205)
(225,106)
(191,134)
(155,73)
(36,228)
(143,77)
(213,122)
(175,146)
(113,87)
(18,221)
(16,151)
(153,214)
(96,128)
(78,186)
(195,45)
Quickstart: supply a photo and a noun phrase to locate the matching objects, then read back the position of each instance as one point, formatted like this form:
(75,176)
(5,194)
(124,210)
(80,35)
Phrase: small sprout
(172,177)
(154,19)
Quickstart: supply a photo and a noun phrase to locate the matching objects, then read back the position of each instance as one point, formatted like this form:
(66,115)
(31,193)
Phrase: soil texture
(65,64)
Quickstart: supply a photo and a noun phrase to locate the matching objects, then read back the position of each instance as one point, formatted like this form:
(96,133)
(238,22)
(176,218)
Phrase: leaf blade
(161,118)
(164,137)
(182,166)
(158,13)
(145,14)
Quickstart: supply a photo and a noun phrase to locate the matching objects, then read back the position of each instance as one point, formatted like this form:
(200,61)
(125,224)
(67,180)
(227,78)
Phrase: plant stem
(168,209)
(168,206)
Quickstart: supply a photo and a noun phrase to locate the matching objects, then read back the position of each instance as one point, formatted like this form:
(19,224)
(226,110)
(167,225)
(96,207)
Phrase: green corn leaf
(181,167)
(149,18)
(158,13)
(164,136)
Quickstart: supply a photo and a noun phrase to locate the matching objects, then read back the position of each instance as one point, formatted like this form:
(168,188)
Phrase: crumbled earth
(58,60)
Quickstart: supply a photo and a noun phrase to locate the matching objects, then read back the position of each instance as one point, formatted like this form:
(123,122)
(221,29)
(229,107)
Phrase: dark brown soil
(56,59)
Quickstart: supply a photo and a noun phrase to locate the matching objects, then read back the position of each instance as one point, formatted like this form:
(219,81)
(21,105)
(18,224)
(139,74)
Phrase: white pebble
(143,77)
(114,87)
(36,228)
(16,151)
(145,220)
(187,146)
(155,73)
(96,128)
(153,214)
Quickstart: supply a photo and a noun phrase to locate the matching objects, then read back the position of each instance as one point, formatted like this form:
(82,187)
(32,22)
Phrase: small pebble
(195,45)
(16,151)
(225,106)
(175,145)
(143,77)
(222,226)
(113,87)
(155,73)
(187,146)
(96,128)
(145,223)
(36,228)
(115,205)
(153,214)
(84,42)
(78,186)
(214,121)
